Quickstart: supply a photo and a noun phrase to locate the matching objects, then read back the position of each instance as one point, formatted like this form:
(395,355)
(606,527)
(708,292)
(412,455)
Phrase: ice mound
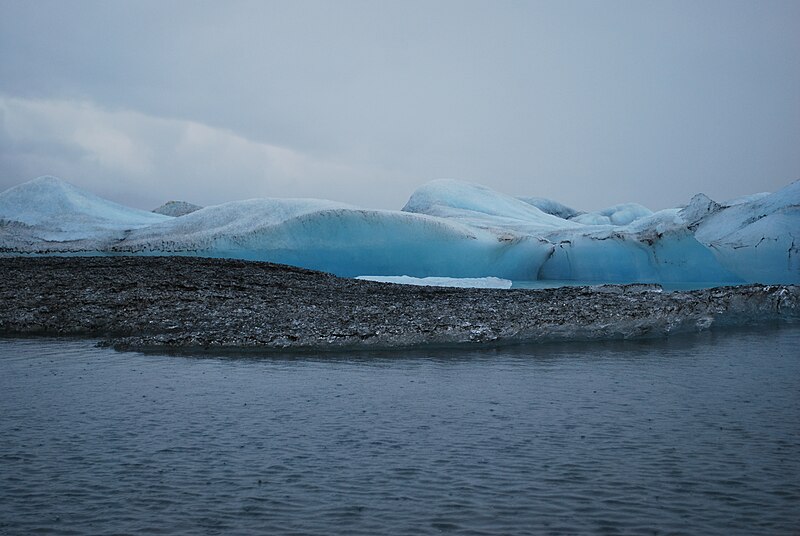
(479,206)
(621,214)
(447,229)
(340,239)
(457,282)
(50,209)
(549,206)
(447,194)
(700,207)
(176,208)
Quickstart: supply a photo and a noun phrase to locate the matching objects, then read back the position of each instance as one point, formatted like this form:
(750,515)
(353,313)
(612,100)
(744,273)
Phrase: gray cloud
(588,103)
(142,160)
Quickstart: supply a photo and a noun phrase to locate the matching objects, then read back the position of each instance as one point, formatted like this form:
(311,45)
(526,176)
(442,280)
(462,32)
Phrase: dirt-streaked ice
(447,229)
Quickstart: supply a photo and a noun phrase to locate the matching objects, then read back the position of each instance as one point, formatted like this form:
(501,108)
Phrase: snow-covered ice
(447,229)
(621,214)
(339,238)
(550,206)
(758,238)
(479,206)
(51,209)
(49,215)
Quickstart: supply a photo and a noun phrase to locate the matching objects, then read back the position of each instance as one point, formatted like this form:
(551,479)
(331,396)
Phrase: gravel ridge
(193,303)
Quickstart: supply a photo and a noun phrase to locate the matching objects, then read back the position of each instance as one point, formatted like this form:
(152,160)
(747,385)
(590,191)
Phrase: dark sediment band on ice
(199,303)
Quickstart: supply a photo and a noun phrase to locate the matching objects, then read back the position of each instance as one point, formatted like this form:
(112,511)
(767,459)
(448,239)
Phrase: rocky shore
(163,303)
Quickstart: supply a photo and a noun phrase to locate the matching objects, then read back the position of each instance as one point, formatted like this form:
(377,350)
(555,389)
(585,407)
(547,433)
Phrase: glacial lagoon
(698,434)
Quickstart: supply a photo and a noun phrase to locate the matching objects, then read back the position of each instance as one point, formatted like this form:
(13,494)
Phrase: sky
(586,102)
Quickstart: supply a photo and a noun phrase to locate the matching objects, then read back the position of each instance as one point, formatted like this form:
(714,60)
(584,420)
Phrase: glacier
(448,228)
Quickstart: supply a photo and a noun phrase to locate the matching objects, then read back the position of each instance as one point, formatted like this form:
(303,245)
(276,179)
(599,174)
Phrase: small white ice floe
(461,282)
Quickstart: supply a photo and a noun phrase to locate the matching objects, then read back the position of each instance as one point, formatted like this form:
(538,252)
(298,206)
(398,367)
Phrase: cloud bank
(585,102)
(142,160)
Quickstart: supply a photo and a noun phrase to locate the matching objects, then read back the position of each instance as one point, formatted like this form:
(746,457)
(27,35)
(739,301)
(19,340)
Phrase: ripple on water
(694,435)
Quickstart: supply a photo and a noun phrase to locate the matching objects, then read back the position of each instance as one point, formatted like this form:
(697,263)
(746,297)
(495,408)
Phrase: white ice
(341,239)
(550,206)
(51,209)
(621,214)
(479,206)
(447,229)
(460,282)
(759,238)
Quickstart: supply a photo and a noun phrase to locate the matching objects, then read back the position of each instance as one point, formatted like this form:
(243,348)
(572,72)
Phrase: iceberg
(621,214)
(48,211)
(447,229)
(757,237)
(659,248)
(338,238)
(478,206)
(651,247)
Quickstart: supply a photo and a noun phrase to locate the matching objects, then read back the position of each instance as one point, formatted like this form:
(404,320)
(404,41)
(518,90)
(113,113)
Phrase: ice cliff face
(758,239)
(447,229)
(591,247)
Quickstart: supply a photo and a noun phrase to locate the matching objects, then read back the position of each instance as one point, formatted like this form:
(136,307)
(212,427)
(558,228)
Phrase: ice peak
(698,208)
(46,183)
(177,208)
(56,204)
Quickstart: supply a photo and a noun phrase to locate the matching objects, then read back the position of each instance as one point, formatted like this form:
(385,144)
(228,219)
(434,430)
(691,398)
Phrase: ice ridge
(447,228)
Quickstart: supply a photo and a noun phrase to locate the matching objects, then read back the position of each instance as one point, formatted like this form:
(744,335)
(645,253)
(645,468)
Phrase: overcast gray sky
(590,103)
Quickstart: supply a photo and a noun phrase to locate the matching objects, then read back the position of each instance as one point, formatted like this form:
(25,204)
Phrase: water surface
(695,435)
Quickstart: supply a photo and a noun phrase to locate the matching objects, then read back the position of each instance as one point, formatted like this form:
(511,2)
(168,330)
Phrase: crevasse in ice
(447,229)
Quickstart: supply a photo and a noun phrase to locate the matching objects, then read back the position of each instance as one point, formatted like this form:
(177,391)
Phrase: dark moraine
(200,303)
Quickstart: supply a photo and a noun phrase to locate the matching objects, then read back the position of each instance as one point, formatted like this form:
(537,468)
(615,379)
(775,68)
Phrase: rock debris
(190,303)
